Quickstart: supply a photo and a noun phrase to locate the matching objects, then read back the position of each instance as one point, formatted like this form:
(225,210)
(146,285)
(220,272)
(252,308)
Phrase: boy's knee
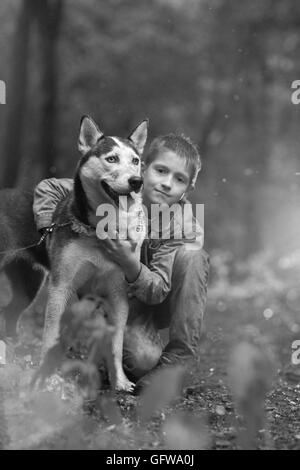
(140,363)
(140,354)
(193,262)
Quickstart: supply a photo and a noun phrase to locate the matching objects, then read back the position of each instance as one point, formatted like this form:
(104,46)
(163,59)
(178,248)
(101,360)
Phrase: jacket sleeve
(47,194)
(153,283)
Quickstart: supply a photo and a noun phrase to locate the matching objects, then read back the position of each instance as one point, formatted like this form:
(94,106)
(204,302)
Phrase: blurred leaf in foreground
(165,386)
(185,431)
(251,370)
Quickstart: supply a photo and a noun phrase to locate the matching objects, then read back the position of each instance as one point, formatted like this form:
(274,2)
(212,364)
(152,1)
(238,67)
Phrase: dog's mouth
(113,194)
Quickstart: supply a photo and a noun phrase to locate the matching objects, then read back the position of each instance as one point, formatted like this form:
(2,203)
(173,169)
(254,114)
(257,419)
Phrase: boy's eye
(135,161)
(112,159)
(161,170)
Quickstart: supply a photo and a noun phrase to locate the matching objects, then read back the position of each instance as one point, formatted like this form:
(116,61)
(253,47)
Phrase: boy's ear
(139,135)
(189,190)
(193,182)
(89,134)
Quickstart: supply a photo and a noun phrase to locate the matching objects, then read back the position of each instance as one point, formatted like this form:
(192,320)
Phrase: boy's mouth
(161,192)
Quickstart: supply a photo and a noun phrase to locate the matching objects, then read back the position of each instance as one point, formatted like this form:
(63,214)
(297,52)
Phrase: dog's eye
(112,159)
(135,161)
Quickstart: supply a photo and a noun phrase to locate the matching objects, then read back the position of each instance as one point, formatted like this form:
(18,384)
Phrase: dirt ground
(204,416)
(282,404)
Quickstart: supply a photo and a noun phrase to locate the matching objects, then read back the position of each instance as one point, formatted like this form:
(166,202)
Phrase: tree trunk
(48,14)
(49,21)
(17,86)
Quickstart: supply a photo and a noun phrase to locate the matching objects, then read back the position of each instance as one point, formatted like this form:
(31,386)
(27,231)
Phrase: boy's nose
(135,182)
(166,183)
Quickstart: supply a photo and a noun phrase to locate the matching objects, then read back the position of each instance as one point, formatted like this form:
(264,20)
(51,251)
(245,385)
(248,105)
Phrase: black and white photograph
(150,227)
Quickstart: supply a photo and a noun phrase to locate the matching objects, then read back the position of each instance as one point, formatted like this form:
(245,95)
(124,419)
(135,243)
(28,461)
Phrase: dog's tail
(18,233)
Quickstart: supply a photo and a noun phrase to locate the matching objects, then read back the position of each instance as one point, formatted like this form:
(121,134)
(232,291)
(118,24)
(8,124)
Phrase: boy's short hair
(182,146)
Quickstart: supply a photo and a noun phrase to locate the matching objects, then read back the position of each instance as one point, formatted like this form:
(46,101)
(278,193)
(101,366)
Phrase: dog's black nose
(135,183)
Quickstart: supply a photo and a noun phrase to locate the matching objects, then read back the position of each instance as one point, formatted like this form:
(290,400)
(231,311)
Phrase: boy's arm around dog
(47,194)
(154,281)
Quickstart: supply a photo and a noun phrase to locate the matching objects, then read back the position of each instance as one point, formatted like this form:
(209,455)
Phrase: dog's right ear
(89,134)
(139,135)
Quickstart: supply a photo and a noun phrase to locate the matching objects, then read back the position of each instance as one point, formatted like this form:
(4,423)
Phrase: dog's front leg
(58,296)
(118,317)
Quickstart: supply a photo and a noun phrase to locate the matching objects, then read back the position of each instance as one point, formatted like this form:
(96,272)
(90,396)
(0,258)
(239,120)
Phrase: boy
(168,286)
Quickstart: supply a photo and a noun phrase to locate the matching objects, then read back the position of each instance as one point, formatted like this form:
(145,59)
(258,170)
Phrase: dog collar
(80,227)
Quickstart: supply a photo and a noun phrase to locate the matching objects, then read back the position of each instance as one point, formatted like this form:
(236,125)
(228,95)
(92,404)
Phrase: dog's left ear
(89,134)
(139,136)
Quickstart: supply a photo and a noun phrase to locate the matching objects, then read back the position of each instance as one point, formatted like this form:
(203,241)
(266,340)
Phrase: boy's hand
(122,252)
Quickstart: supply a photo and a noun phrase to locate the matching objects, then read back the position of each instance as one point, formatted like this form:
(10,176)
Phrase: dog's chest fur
(77,257)
(81,259)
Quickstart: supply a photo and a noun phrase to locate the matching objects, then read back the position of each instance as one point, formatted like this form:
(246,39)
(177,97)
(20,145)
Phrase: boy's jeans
(182,312)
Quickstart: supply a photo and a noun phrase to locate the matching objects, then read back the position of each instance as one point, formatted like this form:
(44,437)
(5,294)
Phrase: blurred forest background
(221,72)
(218,70)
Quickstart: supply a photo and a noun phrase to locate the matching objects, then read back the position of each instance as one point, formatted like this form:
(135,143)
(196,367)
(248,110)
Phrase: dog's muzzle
(135,183)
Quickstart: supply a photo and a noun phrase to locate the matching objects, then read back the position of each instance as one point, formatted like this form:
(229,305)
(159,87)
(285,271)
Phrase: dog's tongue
(134,195)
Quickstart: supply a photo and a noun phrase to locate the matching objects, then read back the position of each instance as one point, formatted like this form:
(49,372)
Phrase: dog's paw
(124,385)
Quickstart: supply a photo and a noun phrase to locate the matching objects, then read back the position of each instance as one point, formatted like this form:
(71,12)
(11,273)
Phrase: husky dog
(110,167)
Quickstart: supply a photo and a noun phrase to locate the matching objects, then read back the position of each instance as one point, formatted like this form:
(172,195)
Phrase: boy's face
(166,179)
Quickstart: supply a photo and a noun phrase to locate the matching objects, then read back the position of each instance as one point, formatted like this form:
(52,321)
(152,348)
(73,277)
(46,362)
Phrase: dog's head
(110,167)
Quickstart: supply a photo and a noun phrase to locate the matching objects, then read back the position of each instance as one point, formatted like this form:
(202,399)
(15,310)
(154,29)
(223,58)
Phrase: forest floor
(206,413)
